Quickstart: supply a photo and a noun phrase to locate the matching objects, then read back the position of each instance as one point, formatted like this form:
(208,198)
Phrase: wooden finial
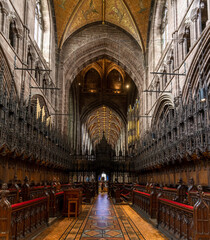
(200,192)
(4,191)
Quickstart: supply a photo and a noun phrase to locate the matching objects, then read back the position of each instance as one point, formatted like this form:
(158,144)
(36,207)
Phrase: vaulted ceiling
(104,120)
(130,15)
(105,92)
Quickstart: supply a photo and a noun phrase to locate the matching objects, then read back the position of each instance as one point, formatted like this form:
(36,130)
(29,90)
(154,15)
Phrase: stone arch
(96,67)
(202,56)
(13,17)
(42,103)
(114,80)
(163,101)
(116,67)
(95,45)
(92,79)
(7,74)
(99,51)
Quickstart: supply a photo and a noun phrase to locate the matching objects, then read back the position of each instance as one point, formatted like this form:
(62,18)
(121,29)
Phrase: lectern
(72,194)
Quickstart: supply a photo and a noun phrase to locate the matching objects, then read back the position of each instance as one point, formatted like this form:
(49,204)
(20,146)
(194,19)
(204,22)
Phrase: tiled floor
(103,220)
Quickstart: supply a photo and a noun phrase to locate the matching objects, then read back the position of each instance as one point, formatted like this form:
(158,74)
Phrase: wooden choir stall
(73,196)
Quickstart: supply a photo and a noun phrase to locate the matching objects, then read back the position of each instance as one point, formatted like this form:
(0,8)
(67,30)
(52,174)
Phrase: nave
(110,93)
(102,220)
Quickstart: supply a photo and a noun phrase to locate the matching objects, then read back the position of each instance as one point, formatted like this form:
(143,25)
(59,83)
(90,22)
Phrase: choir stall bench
(72,202)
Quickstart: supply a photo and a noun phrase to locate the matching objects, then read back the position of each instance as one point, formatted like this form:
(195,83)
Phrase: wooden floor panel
(103,220)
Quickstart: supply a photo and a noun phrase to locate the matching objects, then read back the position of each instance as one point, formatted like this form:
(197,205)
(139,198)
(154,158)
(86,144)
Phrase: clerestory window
(38,28)
(164,27)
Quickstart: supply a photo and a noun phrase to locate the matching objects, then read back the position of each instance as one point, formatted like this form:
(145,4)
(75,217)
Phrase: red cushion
(27,202)
(147,194)
(59,193)
(39,187)
(176,203)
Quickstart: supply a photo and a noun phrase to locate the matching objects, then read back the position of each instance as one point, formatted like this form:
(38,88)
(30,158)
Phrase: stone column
(3,20)
(181,42)
(195,33)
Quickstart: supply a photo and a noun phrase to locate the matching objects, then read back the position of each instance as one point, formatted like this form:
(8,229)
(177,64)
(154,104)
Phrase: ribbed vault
(130,15)
(104,119)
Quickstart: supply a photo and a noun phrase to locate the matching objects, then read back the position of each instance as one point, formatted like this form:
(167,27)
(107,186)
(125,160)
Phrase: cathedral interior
(105,119)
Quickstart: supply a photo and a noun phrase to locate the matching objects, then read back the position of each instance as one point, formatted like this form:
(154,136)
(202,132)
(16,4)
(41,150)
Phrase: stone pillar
(185,46)
(4,20)
(195,33)
(181,42)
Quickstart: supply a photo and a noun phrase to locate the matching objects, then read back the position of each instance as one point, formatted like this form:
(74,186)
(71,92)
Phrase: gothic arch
(116,67)
(7,73)
(202,57)
(96,45)
(42,103)
(163,101)
(94,66)
(13,17)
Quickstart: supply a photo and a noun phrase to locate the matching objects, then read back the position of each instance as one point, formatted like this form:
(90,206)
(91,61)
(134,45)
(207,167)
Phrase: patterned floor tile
(103,221)
(113,233)
(92,233)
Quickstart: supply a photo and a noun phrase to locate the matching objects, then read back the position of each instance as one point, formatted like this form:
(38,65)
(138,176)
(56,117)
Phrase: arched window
(37,74)
(157,89)
(52,98)
(187,41)
(172,63)
(115,80)
(30,59)
(164,78)
(92,79)
(164,27)
(44,85)
(204,14)
(38,28)
(13,34)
